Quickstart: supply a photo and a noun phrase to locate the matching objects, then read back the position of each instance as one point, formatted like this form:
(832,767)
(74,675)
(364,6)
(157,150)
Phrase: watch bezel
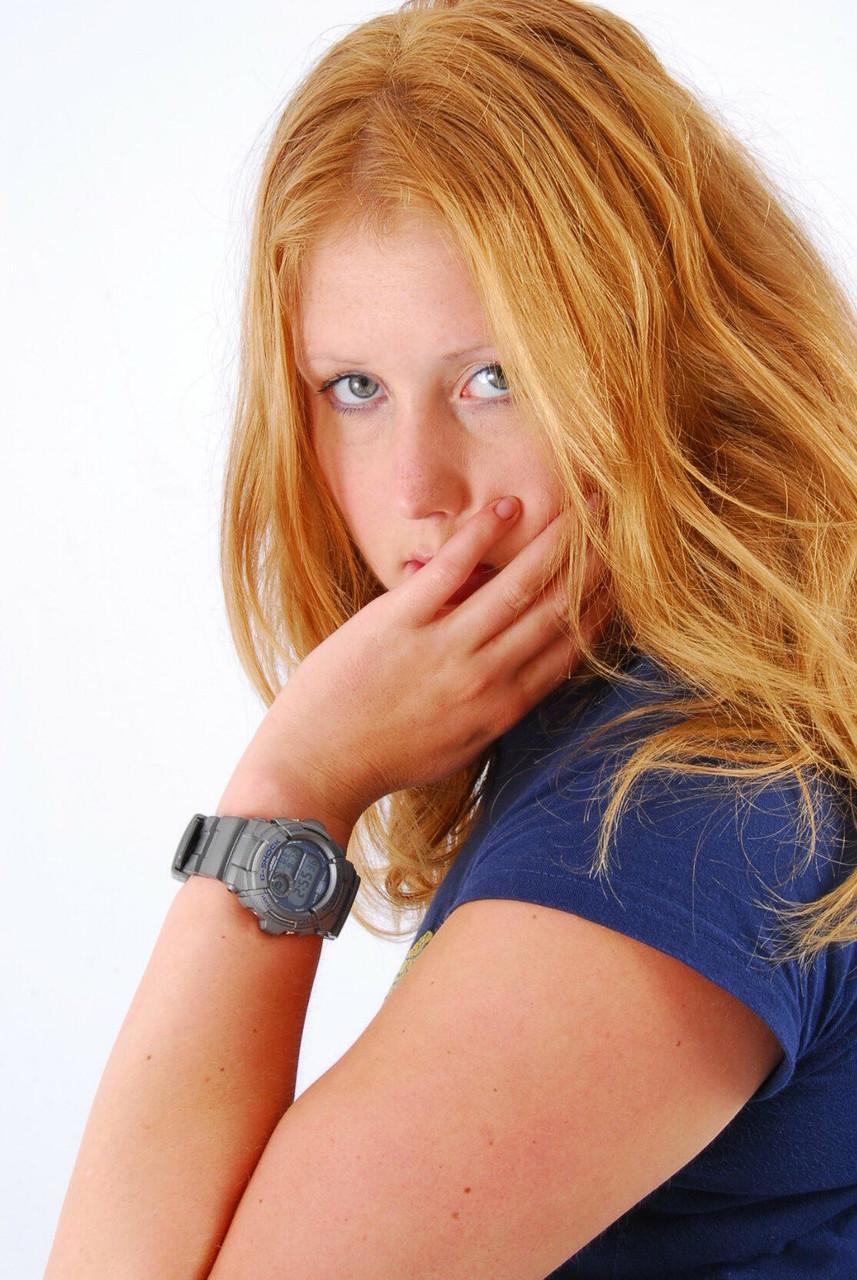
(271,847)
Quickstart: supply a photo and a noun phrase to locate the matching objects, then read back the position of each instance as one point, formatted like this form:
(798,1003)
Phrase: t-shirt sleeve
(691,870)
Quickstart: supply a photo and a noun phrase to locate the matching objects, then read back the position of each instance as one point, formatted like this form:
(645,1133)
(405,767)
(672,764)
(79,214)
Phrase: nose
(431,464)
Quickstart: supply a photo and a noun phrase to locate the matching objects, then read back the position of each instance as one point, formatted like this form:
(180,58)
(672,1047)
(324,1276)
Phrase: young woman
(605,744)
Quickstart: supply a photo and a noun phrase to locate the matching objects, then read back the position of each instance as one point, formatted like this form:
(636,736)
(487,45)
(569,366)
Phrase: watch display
(296,875)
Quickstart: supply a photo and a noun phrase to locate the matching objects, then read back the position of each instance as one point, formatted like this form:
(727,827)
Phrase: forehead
(358,284)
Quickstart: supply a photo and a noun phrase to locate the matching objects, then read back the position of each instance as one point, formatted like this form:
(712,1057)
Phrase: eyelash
(349,408)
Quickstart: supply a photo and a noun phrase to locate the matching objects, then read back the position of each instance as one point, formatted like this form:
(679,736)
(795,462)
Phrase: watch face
(296,875)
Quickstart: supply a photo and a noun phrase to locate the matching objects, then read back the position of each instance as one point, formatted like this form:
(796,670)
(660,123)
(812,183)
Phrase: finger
(503,601)
(547,617)
(559,660)
(544,624)
(451,568)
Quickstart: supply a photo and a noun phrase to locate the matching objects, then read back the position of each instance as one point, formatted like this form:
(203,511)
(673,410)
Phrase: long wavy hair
(669,331)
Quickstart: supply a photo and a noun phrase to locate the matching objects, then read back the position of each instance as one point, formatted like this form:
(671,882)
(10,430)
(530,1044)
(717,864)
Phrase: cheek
(533,480)
(350,483)
(334,469)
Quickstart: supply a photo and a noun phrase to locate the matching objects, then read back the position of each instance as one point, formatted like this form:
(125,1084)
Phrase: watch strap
(211,844)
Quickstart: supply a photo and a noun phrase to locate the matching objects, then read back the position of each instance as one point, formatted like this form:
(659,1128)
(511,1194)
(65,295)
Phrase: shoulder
(557,773)
(697,867)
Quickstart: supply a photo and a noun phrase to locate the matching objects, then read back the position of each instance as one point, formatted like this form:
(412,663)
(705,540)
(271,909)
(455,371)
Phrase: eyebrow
(450,355)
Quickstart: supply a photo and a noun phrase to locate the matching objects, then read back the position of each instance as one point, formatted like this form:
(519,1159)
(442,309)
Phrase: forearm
(202,1070)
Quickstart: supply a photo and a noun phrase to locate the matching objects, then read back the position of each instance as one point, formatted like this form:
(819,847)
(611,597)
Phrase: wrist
(286,799)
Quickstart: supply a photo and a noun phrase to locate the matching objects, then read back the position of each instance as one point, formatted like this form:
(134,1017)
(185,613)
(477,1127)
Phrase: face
(415,430)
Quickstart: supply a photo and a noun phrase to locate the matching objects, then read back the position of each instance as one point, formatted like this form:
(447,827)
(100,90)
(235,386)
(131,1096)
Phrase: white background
(131,139)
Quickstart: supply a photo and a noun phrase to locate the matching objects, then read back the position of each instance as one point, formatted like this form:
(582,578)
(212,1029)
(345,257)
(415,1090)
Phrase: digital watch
(288,872)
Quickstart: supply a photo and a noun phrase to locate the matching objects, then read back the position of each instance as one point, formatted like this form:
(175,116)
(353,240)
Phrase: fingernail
(506,507)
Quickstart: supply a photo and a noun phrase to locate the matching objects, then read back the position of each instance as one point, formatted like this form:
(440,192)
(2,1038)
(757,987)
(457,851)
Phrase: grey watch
(288,872)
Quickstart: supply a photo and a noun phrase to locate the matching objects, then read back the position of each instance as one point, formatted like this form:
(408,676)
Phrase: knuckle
(445,571)
(480,684)
(559,605)
(515,598)
(523,699)
(561,618)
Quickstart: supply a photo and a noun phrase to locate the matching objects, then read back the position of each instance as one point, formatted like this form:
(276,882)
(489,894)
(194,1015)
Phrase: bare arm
(204,1065)
(203,1068)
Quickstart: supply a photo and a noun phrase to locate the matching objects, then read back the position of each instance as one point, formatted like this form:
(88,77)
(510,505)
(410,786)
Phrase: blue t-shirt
(775,1194)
